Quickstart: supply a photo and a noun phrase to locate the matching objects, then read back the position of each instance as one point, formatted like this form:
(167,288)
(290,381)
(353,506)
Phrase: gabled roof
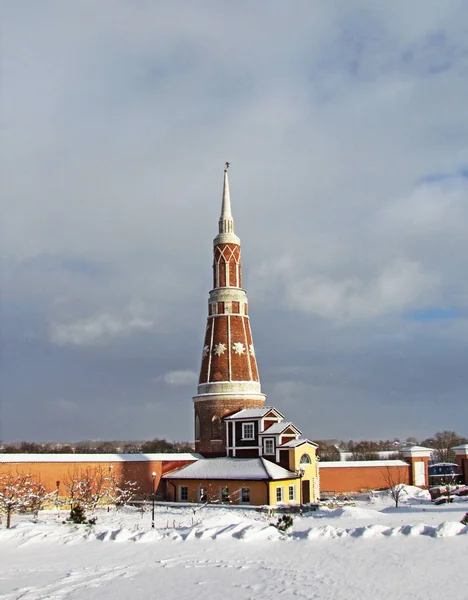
(278,428)
(253,413)
(298,442)
(232,468)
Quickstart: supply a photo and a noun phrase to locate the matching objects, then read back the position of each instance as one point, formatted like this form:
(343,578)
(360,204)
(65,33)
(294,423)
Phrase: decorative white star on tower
(206,349)
(251,350)
(219,349)
(238,348)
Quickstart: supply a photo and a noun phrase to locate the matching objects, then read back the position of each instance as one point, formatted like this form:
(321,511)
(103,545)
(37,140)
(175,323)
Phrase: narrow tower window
(216,428)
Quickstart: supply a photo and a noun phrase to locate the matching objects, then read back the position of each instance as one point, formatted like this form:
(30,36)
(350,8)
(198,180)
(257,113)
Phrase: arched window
(216,428)
(197,427)
(305,460)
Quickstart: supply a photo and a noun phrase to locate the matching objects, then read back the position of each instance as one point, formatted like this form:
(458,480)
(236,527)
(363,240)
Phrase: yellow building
(254,481)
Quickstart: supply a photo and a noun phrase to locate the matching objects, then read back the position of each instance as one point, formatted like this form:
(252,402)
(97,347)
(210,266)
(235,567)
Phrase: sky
(346,125)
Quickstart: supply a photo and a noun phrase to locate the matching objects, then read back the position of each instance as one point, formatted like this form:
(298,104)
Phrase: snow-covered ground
(370,550)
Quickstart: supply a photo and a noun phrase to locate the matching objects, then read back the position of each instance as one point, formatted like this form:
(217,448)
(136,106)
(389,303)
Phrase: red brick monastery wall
(54,470)
(50,469)
(353,479)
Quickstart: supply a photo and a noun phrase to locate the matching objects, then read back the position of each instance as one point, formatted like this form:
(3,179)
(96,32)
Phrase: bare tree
(19,492)
(39,496)
(395,479)
(365,451)
(99,486)
(88,487)
(443,442)
(121,491)
(327,452)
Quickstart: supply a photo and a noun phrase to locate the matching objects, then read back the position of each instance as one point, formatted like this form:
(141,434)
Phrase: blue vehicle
(444,473)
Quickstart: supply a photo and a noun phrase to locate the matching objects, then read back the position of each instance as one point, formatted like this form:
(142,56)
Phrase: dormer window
(248,432)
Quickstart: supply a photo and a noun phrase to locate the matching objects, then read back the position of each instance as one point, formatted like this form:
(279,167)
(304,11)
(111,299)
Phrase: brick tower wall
(212,441)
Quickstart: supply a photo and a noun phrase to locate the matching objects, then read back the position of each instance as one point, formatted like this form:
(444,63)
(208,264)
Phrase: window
(279,494)
(248,431)
(305,460)
(268,446)
(225,499)
(183,493)
(292,492)
(216,428)
(197,427)
(245,496)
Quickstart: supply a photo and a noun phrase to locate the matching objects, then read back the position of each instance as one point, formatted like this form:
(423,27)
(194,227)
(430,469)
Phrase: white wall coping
(461,450)
(7,458)
(362,463)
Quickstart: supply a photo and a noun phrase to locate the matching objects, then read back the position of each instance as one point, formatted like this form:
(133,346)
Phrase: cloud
(396,286)
(65,406)
(347,137)
(180,378)
(96,329)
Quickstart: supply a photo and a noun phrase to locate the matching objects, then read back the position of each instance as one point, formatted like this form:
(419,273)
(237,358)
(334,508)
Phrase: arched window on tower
(216,428)
(197,427)
(305,460)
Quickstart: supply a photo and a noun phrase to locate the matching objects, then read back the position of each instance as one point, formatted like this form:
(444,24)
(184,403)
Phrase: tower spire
(226,222)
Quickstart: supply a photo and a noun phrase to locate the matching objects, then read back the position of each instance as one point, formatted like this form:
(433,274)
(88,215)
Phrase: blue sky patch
(433,314)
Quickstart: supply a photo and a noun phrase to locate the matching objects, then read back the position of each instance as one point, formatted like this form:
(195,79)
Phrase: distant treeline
(101,447)
(441,442)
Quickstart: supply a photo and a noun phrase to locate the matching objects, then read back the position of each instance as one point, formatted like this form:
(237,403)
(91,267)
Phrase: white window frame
(292,493)
(241,498)
(244,427)
(279,494)
(268,440)
(183,487)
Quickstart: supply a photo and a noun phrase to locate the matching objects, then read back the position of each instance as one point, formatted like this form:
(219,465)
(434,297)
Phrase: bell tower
(229,379)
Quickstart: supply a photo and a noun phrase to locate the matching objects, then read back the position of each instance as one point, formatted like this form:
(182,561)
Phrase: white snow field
(370,551)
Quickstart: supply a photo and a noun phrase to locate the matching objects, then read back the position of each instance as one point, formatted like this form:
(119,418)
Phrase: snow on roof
(231,468)
(416,449)
(252,413)
(363,463)
(103,458)
(461,447)
(278,428)
(298,442)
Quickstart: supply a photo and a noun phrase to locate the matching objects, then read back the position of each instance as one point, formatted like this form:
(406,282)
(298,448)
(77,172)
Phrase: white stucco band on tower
(250,389)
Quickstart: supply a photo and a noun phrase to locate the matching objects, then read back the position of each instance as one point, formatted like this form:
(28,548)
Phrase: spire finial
(226,222)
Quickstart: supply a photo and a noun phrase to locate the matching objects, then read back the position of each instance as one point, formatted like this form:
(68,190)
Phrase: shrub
(284,523)
(465,519)
(78,516)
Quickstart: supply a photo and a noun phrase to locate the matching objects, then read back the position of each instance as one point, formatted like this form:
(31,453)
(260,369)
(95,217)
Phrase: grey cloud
(116,131)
